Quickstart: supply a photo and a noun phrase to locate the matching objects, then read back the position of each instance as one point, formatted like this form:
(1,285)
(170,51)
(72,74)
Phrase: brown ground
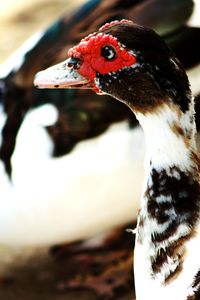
(43,278)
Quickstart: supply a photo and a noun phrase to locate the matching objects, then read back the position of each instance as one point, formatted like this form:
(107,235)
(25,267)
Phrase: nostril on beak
(74,63)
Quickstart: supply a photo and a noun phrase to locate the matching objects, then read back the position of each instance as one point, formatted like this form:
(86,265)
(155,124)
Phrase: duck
(132,64)
(51,135)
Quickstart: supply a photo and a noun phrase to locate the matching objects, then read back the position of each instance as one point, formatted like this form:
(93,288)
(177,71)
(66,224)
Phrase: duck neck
(170,137)
(169,209)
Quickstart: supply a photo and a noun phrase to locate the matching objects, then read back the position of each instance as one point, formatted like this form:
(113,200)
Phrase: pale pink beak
(61,76)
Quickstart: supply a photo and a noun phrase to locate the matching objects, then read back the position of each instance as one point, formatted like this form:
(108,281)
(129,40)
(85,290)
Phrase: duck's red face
(101,53)
(98,53)
(125,60)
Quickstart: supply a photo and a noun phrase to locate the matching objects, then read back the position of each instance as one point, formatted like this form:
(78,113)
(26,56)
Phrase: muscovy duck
(72,133)
(132,64)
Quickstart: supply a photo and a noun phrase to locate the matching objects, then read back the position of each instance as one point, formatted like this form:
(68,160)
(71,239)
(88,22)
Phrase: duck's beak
(63,75)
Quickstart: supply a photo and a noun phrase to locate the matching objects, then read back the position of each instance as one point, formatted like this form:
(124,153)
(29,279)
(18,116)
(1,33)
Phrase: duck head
(125,60)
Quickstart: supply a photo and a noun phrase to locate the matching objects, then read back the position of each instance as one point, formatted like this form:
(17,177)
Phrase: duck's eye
(108,52)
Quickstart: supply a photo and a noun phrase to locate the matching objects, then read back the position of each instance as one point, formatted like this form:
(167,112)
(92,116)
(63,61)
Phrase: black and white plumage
(146,75)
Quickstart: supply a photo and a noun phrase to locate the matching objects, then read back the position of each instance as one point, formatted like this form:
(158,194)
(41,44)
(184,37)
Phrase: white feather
(50,200)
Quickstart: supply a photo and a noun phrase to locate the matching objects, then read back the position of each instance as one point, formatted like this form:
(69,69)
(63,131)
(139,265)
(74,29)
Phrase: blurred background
(20,19)
(41,272)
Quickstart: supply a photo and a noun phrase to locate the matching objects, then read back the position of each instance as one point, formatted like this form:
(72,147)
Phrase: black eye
(108,52)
